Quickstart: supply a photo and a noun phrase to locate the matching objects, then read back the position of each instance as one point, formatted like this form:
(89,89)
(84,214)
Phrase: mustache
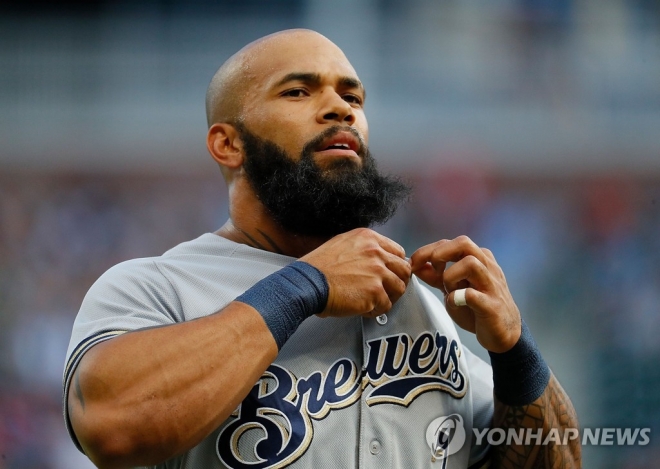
(331,132)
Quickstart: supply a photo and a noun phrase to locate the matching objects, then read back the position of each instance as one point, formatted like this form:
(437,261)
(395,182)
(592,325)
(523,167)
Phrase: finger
(371,314)
(467,298)
(489,254)
(394,287)
(423,254)
(427,271)
(428,274)
(390,246)
(382,304)
(458,248)
(462,316)
(453,251)
(400,267)
(469,271)
(492,265)
(459,297)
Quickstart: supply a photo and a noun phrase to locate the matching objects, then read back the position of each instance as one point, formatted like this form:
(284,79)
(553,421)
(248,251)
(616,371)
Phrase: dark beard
(309,201)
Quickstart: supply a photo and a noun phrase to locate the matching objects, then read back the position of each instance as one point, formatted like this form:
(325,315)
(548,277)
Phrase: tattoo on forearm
(553,410)
(78,392)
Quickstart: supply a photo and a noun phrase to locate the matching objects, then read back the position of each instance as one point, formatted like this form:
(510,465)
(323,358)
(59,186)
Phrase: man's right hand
(145,396)
(366,272)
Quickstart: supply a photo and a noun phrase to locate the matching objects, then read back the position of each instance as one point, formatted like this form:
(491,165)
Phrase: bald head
(234,79)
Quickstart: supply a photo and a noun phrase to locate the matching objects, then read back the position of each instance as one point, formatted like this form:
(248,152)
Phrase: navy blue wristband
(520,375)
(287,297)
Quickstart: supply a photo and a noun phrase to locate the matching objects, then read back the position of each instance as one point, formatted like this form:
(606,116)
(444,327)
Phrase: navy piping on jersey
(71,365)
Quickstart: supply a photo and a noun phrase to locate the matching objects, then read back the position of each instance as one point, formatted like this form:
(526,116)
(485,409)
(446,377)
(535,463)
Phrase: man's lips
(340,144)
(338,152)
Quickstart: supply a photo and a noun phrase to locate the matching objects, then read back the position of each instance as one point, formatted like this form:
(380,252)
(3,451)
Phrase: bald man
(295,336)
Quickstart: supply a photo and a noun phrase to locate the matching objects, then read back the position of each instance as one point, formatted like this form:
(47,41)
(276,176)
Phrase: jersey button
(382,319)
(374,447)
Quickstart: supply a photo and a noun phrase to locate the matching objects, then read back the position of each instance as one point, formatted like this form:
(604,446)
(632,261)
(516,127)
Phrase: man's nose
(335,109)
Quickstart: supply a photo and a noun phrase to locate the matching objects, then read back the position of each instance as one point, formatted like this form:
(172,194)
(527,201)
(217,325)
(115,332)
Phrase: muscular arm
(148,395)
(552,410)
(145,396)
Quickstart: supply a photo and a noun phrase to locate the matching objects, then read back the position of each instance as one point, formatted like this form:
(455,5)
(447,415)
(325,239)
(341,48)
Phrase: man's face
(299,86)
(306,153)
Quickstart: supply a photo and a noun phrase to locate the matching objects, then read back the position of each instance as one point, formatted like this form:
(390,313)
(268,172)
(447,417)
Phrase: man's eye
(295,93)
(351,98)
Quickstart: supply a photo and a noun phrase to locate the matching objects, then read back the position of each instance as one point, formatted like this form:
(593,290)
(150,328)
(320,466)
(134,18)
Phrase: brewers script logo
(273,425)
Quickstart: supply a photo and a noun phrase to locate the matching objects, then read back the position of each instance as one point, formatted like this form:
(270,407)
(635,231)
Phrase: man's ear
(225,145)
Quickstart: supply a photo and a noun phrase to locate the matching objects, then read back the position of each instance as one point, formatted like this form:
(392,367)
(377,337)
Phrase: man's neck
(268,238)
(250,223)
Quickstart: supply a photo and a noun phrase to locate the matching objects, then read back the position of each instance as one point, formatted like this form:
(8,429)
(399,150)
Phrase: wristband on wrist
(287,297)
(520,375)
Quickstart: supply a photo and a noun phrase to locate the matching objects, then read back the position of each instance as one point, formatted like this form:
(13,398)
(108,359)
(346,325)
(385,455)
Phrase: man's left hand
(490,312)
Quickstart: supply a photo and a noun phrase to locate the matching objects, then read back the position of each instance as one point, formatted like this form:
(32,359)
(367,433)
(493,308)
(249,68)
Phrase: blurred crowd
(58,233)
(581,257)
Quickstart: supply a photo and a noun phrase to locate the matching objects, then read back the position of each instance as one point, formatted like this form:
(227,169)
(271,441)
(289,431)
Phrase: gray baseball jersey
(395,391)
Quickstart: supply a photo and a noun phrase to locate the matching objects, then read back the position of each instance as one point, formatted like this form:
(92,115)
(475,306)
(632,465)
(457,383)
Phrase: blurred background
(533,126)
